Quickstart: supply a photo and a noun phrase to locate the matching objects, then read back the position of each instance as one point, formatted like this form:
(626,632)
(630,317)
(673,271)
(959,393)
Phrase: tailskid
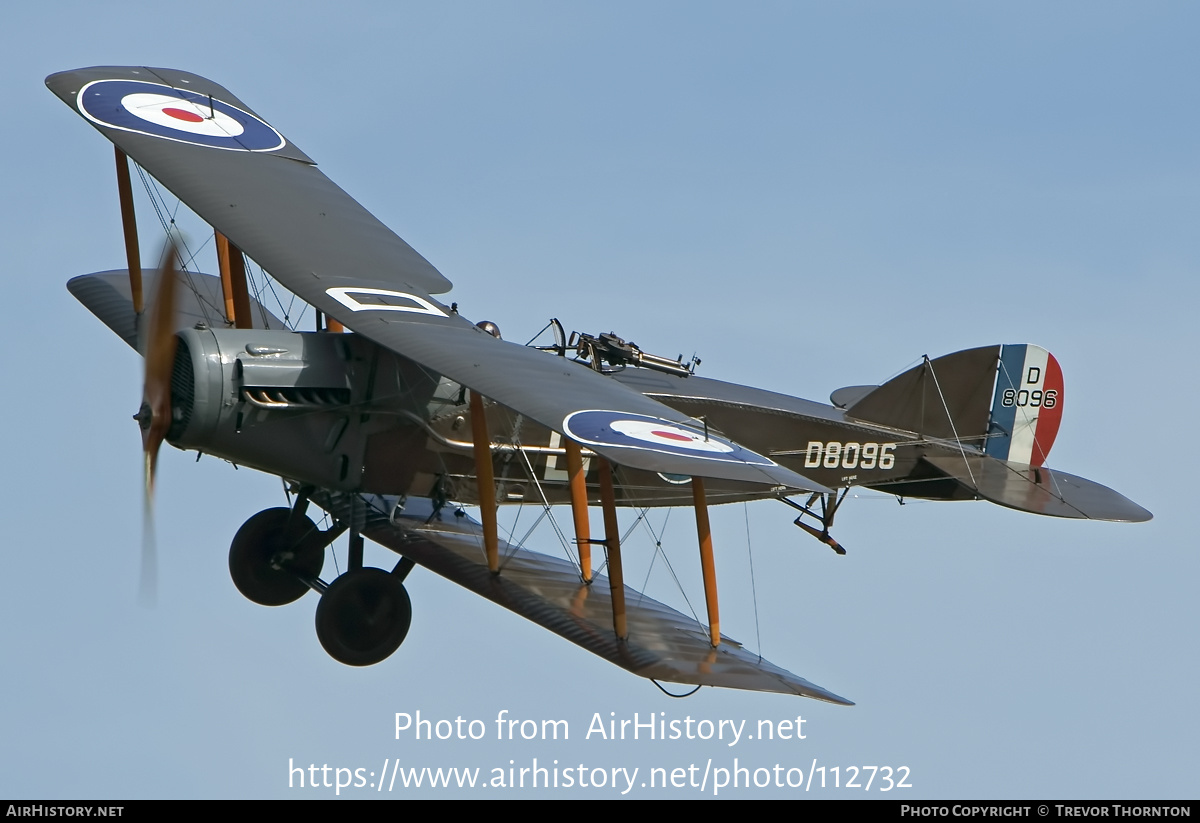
(830,503)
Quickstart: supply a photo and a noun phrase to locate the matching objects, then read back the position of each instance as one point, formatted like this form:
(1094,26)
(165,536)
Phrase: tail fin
(948,398)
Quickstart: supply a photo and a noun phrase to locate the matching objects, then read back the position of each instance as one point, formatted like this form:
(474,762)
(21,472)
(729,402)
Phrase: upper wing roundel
(158,110)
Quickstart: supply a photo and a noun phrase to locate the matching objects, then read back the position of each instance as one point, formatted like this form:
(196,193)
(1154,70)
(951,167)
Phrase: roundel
(175,114)
(660,433)
(598,427)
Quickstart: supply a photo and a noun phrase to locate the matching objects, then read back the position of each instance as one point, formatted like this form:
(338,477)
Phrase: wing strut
(129,224)
(485,481)
(707,568)
(233,284)
(579,507)
(612,540)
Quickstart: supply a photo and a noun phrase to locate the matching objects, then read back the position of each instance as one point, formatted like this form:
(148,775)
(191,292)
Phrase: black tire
(363,617)
(259,565)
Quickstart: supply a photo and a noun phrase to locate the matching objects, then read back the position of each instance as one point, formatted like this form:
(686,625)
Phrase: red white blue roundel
(598,427)
(175,114)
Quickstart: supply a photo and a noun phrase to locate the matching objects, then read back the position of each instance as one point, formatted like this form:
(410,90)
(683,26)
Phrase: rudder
(1026,405)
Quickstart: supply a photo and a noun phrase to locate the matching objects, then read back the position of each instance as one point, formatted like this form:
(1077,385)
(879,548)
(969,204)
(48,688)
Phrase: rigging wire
(167,218)
(950,417)
(505,479)
(268,284)
(529,532)
(658,550)
(753,588)
(566,544)
(512,530)
(158,202)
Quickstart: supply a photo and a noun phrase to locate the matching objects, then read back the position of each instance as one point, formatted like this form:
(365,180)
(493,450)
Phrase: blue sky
(806,195)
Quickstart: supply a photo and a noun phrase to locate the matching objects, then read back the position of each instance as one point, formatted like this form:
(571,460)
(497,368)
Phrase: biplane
(396,410)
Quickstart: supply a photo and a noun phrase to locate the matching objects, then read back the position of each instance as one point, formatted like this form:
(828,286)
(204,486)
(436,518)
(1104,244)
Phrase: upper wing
(263,191)
(250,183)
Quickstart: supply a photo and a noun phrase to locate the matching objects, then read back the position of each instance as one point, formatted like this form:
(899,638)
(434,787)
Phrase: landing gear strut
(363,615)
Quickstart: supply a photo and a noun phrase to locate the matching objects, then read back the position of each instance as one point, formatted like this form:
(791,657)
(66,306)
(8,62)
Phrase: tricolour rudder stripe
(1026,405)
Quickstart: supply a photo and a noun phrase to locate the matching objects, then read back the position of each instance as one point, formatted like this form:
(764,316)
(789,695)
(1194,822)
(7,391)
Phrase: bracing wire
(268,284)
(167,218)
(170,229)
(950,417)
(659,551)
(753,588)
(562,537)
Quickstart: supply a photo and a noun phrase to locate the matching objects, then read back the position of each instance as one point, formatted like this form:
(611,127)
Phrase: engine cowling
(298,404)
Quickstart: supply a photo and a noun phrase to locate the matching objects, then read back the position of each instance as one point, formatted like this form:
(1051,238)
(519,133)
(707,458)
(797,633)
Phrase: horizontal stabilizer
(107,295)
(1038,489)
(849,395)
(663,644)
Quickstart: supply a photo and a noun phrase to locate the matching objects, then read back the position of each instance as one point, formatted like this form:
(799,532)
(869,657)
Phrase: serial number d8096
(837,455)
(1024,397)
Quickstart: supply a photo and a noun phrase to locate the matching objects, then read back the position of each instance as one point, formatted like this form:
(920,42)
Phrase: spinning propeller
(158,348)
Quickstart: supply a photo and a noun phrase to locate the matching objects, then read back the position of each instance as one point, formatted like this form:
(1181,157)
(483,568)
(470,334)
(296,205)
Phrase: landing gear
(363,616)
(273,556)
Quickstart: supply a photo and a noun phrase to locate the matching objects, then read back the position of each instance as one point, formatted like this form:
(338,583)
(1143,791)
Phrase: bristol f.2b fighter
(396,409)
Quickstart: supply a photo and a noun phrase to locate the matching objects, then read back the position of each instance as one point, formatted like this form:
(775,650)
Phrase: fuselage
(340,412)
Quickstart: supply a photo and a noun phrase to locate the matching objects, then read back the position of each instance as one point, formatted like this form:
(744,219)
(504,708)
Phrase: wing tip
(830,697)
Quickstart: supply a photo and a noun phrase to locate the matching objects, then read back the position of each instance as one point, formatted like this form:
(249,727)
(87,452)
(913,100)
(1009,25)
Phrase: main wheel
(267,558)
(363,616)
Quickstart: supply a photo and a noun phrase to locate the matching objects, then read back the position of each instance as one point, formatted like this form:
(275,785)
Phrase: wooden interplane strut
(612,539)
(485,482)
(707,567)
(233,284)
(133,255)
(326,323)
(579,507)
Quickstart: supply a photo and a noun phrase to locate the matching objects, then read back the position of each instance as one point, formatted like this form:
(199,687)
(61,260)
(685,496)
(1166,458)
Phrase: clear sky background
(806,195)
